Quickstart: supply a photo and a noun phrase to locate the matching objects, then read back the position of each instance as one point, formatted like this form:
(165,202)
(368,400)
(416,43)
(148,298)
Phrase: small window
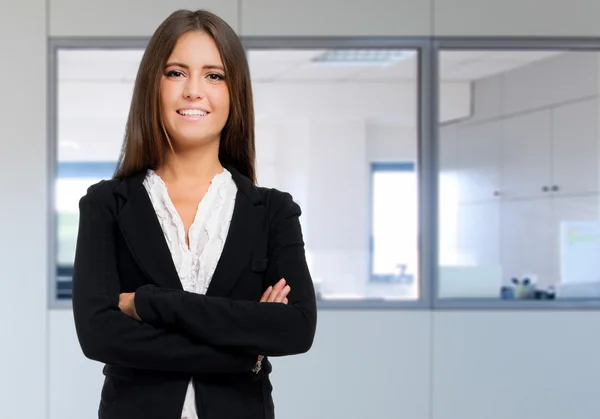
(394,224)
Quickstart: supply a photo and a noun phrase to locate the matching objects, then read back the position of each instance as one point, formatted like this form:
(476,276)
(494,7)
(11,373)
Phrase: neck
(193,165)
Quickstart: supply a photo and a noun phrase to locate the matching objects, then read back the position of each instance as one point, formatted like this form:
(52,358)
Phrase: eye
(174,73)
(216,77)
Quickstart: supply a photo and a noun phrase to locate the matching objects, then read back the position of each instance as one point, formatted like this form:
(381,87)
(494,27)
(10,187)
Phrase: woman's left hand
(127,306)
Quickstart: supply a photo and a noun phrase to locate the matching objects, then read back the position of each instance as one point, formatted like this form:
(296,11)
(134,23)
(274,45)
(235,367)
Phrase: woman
(187,276)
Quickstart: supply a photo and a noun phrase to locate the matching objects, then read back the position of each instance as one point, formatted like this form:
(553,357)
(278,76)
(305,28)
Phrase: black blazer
(214,338)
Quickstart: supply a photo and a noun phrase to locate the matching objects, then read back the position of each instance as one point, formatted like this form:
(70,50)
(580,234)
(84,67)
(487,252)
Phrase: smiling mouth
(191,112)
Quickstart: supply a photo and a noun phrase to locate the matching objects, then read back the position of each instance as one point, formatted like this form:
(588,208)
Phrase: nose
(193,89)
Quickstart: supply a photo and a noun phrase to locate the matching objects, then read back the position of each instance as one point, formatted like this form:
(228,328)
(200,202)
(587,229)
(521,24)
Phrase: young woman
(187,275)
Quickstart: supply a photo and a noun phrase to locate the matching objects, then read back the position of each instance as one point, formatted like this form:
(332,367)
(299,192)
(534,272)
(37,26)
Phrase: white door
(527,155)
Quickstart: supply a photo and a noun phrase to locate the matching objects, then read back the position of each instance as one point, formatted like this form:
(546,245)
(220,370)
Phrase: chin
(189,141)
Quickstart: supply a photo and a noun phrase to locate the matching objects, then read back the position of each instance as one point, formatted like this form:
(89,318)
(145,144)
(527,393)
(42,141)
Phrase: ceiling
(294,65)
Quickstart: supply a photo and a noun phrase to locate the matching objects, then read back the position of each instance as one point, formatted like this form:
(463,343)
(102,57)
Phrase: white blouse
(195,264)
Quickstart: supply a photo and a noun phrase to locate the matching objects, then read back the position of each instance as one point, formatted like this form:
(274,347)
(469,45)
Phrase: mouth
(192,113)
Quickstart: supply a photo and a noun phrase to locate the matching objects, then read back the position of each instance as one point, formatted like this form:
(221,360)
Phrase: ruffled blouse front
(195,263)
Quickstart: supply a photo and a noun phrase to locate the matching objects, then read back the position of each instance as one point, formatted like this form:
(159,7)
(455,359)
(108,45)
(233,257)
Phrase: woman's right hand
(277,293)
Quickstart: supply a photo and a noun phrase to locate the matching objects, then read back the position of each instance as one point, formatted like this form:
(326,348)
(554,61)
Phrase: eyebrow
(187,67)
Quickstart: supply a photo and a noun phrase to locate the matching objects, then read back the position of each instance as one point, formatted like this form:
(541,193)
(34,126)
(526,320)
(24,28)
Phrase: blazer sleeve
(272,329)
(108,335)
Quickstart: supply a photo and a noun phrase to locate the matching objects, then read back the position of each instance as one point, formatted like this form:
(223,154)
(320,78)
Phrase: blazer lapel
(143,233)
(248,224)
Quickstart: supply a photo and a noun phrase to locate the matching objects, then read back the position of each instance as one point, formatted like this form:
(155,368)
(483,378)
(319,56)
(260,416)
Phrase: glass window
(328,122)
(94,88)
(520,176)
(394,226)
(331,125)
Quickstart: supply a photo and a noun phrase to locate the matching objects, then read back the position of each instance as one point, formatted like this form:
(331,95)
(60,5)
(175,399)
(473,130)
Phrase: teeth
(191,112)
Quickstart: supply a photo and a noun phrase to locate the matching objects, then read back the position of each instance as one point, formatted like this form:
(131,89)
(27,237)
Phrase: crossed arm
(250,326)
(273,294)
(176,333)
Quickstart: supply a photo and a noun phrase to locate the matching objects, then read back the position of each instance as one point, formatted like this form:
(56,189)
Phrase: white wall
(326,18)
(443,365)
(23,209)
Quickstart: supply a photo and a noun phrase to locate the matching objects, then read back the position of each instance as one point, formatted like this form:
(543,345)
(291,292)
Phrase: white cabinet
(550,152)
(526,155)
(521,175)
(479,162)
(526,239)
(575,148)
(479,234)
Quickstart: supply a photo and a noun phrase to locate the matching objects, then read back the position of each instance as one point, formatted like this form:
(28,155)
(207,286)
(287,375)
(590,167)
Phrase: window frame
(420,45)
(508,44)
(428,49)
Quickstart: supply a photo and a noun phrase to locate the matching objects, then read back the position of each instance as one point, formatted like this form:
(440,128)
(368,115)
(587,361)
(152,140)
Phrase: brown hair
(146,143)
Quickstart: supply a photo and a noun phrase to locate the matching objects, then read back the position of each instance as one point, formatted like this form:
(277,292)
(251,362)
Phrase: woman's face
(194,97)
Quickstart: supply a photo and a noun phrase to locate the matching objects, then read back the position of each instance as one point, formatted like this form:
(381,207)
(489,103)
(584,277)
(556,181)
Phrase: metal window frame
(422,46)
(510,44)
(427,164)
(427,244)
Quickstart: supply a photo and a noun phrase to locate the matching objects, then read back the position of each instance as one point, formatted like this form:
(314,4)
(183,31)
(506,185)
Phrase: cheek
(168,95)
(224,101)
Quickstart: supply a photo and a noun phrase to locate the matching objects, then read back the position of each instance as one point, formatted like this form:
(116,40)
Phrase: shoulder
(280,204)
(102,194)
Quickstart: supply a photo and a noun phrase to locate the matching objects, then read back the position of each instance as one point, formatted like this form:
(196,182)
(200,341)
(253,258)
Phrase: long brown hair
(146,143)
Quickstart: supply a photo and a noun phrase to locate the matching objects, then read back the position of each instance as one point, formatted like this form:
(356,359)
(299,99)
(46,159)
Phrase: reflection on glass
(325,120)
(519,176)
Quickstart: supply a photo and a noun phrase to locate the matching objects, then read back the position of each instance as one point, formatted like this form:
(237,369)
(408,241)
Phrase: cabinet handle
(496,193)
(545,189)
(555,188)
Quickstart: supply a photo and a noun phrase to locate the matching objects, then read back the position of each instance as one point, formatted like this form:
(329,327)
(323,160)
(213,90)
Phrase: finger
(121,301)
(276,290)
(285,301)
(265,296)
(282,294)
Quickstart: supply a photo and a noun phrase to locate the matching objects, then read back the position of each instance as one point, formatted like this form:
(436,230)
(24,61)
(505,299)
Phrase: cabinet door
(526,155)
(478,158)
(527,247)
(478,233)
(575,148)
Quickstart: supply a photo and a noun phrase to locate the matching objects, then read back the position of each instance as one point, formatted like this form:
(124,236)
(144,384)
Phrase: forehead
(196,48)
